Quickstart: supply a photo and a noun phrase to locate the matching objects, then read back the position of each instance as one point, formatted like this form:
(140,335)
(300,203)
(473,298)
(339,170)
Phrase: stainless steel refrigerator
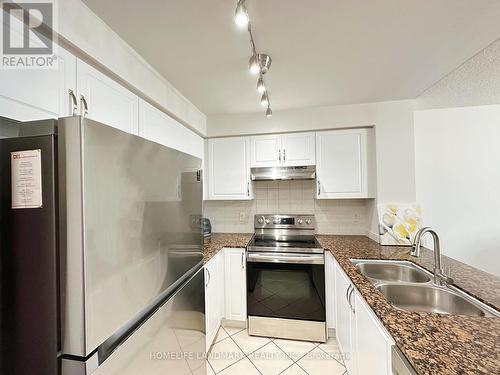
(100,252)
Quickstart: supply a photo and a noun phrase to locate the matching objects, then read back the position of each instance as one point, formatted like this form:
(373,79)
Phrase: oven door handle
(286,258)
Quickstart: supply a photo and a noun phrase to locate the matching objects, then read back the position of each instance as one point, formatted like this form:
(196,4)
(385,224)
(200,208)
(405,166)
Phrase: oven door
(286,286)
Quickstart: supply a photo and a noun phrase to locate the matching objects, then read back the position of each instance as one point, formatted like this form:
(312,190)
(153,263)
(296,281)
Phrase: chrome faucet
(440,278)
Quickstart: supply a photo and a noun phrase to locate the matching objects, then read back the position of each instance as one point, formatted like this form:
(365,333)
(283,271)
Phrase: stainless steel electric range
(286,279)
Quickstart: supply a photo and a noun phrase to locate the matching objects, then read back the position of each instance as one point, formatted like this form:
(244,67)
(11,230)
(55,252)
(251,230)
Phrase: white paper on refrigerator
(26,167)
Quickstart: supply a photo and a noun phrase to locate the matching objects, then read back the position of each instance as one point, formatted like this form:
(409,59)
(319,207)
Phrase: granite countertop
(433,343)
(221,240)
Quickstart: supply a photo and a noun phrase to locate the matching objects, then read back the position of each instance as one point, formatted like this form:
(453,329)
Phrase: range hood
(283,173)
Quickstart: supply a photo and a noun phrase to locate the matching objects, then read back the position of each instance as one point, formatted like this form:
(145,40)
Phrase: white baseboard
(234,323)
(332,332)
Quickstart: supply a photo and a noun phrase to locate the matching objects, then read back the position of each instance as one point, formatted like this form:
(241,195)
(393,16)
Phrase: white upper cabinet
(265,150)
(163,129)
(107,101)
(298,149)
(295,149)
(342,164)
(34,94)
(229,169)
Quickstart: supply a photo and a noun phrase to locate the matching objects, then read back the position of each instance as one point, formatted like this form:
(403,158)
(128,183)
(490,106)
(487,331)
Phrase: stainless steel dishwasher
(400,365)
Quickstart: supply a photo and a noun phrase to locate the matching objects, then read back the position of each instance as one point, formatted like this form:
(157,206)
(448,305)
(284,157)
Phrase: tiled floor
(235,352)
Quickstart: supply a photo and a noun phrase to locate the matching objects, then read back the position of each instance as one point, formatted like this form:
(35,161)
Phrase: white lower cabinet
(330,290)
(345,327)
(214,296)
(372,342)
(360,335)
(235,282)
(225,290)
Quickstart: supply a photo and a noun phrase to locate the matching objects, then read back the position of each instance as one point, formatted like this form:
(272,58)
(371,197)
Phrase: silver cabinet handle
(319,187)
(284,156)
(349,300)
(84,105)
(209,277)
(242,260)
(248,188)
(347,293)
(74,107)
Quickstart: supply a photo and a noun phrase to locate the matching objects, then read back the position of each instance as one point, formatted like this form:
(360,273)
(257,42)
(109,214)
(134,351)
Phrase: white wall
(457,157)
(289,197)
(393,123)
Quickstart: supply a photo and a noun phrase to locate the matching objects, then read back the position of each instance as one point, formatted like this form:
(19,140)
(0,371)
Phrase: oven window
(289,291)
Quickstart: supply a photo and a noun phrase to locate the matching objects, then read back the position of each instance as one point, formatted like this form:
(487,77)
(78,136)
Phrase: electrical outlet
(243,217)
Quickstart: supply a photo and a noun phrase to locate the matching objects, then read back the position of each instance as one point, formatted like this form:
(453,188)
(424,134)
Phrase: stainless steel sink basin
(393,271)
(428,298)
(409,287)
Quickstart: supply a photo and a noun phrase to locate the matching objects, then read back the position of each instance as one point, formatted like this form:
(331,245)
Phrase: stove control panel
(284,221)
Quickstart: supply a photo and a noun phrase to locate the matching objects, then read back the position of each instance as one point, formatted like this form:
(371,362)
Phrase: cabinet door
(266,150)
(344,319)
(341,159)
(330,289)
(108,101)
(235,281)
(34,94)
(229,169)
(298,149)
(212,303)
(163,129)
(372,343)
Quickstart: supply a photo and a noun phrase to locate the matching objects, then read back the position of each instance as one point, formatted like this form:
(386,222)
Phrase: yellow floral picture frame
(398,223)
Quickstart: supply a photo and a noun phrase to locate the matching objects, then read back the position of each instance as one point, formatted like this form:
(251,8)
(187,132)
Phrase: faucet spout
(440,278)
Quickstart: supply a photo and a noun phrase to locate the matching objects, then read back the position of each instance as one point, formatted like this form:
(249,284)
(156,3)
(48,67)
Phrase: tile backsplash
(347,216)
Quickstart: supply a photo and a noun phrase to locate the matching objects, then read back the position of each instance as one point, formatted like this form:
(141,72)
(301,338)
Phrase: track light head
(241,15)
(264,100)
(261,87)
(269,112)
(254,65)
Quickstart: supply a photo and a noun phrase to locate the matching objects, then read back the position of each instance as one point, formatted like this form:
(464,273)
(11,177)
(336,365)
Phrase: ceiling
(324,52)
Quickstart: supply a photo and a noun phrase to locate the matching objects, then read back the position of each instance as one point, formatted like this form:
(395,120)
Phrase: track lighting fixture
(261,87)
(259,63)
(264,100)
(241,14)
(254,65)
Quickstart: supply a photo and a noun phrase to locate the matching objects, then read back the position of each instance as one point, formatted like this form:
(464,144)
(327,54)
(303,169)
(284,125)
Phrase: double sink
(409,287)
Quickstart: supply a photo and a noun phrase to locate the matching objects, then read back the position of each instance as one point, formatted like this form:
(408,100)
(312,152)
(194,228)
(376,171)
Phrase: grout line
(246,355)
(332,357)
(232,364)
